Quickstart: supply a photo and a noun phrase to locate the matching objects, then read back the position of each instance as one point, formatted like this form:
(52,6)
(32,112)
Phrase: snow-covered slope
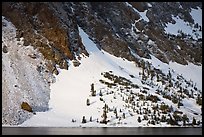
(182,27)
(189,72)
(40,40)
(68,100)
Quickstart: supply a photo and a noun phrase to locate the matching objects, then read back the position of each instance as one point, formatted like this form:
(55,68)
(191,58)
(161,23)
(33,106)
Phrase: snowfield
(189,72)
(69,93)
(185,27)
(197,15)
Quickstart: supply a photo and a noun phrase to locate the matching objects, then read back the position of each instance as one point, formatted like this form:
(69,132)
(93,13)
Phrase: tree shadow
(92,102)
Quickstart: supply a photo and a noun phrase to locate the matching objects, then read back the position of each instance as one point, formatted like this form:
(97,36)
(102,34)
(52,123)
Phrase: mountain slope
(72,89)
(136,55)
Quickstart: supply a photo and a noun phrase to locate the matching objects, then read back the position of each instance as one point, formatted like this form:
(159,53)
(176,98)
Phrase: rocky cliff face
(25,78)
(128,30)
(113,23)
(52,28)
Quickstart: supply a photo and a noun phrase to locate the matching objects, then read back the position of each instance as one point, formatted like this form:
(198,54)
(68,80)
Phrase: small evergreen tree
(148,69)
(185,119)
(194,121)
(93,92)
(139,119)
(92,87)
(104,116)
(120,110)
(87,102)
(152,74)
(179,102)
(145,117)
(83,119)
(73,120)
(106,108)
(101,99)
(116,114)
(169,75)
(163,118)
(192,93)
(171,121)
(154,112)
(148,122)
(124,115)
(198,122)
(143,66)
(100,93)
(200,28)
(199,100)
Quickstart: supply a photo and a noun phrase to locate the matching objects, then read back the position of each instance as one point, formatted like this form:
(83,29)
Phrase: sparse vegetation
(164,108)
(138,102)
(171,121)
(152,98)
(199,100)
(185,119)
(177,117)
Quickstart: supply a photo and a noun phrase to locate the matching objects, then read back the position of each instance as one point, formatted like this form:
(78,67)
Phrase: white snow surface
(197,15)
(72,88)
(182,26)
(189,72)
(149,5)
